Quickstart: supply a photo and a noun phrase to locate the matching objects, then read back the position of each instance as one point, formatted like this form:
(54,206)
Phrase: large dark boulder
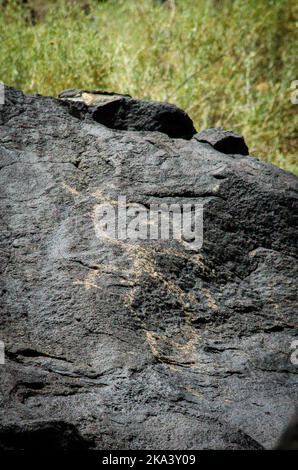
(121,344)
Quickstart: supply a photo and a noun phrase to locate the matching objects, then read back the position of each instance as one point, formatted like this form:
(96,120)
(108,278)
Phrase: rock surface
(125,113)
(224,141)
(289,438)
(116,344)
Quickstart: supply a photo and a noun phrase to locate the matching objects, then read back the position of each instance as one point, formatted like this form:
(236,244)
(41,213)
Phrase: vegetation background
(228,63)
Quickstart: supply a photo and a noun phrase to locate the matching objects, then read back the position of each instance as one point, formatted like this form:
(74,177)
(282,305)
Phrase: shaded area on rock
(125,113)
(55,435)
(224,141)
(289,438)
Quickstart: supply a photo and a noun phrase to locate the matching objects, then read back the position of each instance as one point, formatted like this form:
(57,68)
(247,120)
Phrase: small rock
(125,113)
(224,141)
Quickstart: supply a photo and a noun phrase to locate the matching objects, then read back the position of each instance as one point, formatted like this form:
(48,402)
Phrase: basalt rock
(224,141)
(45,436)
(124,113)
(120,344)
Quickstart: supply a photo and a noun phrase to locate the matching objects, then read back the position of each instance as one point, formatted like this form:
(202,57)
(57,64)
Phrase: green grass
(228,63)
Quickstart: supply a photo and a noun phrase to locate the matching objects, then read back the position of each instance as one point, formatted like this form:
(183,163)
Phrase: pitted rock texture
(115,344)
(224,141)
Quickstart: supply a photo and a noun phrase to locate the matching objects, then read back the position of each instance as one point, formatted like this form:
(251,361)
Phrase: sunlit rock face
(112,342)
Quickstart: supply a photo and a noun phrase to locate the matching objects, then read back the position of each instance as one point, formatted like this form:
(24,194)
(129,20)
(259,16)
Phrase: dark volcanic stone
(224,141)
(124,113)
(49,435)
(134,115)
(141,345)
